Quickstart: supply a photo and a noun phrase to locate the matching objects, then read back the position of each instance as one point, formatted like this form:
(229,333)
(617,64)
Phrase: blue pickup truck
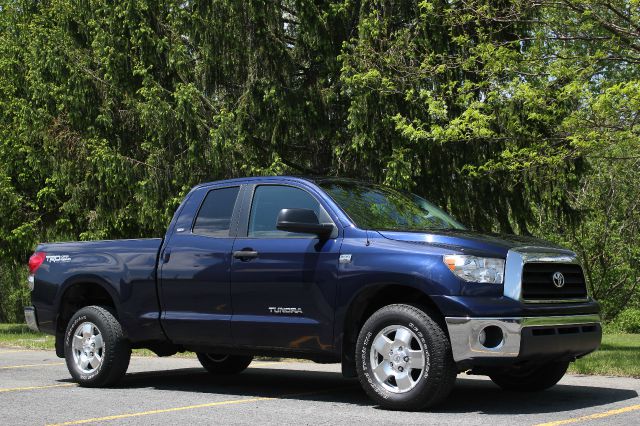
(327,269)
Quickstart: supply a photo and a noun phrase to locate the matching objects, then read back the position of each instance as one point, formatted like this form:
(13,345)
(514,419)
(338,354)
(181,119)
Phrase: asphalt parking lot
(35,389)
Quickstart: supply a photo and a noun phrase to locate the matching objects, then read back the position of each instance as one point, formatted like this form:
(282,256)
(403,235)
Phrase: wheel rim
(397,359)
(87,347)
(217,357)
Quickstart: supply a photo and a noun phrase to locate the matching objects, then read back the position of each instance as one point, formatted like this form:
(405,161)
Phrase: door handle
(245,255)
(166,255)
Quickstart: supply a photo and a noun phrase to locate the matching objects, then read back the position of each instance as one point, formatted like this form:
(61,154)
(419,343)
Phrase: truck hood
(469,241)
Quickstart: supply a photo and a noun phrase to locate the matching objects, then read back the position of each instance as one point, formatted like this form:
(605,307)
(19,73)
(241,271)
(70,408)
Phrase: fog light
(491,337)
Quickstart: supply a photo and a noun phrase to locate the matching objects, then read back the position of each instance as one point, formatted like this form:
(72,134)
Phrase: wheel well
(368,302)
(74,298)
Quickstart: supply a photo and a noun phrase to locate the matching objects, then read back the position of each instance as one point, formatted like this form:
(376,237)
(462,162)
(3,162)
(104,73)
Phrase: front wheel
(96,351)
(224,364)
(532,380)
(403,359)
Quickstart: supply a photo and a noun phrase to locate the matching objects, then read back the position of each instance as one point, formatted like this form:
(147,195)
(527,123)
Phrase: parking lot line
(44,364)
(14,351)
(164,410)
(264,364)
(188,407)
(27,388)
(592,416)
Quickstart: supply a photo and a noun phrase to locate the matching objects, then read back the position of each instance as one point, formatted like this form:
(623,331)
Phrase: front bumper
(478,340)
(31,318)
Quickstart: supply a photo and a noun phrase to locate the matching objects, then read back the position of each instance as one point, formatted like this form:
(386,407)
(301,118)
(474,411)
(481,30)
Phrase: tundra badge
(280,310)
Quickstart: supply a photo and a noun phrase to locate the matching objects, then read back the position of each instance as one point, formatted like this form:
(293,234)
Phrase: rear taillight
(35,261)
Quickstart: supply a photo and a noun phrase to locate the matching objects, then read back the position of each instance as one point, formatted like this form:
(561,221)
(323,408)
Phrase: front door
(283,284)
(194,280)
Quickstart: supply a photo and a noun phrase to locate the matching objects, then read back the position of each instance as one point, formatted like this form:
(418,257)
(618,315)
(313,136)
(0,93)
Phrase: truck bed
(116,265)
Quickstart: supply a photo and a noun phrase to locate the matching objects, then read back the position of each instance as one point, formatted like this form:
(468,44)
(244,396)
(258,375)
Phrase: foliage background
(516,116)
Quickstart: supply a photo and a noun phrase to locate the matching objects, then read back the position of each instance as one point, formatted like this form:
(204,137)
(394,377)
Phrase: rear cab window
(216,212)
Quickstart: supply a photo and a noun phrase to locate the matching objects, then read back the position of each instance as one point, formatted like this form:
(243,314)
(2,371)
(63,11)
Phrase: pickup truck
(327,269)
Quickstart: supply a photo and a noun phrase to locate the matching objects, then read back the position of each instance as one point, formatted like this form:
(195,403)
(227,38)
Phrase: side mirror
(302,220)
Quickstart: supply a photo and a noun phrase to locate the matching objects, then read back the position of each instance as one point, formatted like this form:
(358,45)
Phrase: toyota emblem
(558,279)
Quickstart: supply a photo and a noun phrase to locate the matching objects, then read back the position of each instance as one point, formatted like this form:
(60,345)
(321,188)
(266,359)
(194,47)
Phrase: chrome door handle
(245,254)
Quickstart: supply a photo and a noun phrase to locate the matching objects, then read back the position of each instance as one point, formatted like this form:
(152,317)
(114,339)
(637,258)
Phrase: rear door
(284,294)
(194,269)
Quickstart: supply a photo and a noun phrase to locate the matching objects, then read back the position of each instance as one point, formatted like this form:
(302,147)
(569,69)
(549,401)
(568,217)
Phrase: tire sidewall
(539,379)
(87,315)
(231,364)
(372,327)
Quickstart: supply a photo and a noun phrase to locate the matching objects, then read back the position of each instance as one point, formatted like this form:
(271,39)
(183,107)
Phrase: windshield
(384,208)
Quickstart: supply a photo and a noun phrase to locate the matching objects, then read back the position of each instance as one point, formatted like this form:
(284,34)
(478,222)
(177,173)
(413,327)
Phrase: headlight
(476,269)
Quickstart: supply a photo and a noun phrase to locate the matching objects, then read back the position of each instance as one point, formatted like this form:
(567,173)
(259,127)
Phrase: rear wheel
(224,364)
(96,352)
(404,360)
(532,380)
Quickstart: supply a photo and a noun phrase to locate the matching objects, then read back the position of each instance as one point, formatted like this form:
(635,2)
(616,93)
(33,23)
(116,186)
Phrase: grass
(619,354)
(20,336)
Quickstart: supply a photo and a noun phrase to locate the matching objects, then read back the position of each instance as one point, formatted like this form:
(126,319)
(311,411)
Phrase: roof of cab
(253,179)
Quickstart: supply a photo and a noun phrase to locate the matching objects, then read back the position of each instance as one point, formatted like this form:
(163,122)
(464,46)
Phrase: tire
(221,364)
(419,356)
(104,363)
(535,380)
